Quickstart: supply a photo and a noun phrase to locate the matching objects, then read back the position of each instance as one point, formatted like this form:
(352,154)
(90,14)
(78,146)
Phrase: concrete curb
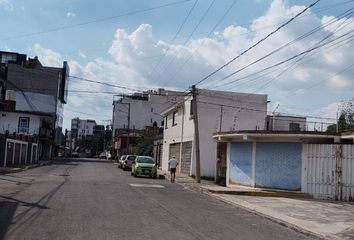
(260,193)
(10,170)
(20,169)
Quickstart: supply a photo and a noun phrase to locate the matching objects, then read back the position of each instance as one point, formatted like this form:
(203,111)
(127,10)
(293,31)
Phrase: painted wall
(240,170)
(278,165)
(9,121)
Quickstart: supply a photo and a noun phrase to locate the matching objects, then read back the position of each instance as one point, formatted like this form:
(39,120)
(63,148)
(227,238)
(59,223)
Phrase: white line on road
(146,185)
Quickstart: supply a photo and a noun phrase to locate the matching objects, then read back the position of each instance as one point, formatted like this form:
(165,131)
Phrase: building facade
(133,113)
(38,89)
(218,111)
(315,163)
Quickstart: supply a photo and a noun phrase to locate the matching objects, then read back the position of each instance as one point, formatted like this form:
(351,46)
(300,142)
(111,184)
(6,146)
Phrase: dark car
(127,163)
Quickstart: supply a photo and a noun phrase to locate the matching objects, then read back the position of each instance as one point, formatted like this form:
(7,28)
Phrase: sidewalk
(24,167)
(325,219)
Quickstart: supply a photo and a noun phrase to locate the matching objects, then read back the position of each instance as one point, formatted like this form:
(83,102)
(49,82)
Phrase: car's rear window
(123,157)
(145,160)
(131,157)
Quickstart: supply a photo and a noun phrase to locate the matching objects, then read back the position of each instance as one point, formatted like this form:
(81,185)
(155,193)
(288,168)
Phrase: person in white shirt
(173,163)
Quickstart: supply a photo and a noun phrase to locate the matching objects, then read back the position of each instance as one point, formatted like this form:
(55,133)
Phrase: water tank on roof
(10,95)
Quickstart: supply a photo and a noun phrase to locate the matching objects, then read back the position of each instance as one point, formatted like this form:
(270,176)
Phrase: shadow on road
(7,210)
(78,160)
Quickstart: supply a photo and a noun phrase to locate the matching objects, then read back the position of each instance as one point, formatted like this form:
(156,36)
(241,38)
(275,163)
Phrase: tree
(345,120)
(145,145)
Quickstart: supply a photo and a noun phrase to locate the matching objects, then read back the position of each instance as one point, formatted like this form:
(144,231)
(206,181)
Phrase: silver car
(121,160)
(127,163)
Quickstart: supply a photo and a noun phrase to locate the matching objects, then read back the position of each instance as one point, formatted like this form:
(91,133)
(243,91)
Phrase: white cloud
(47,57)
(82,54)
(70,14)
(5,4)
(139,59)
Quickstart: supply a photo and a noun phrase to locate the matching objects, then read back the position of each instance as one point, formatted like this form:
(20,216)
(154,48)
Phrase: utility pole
(196,134)
(128,127)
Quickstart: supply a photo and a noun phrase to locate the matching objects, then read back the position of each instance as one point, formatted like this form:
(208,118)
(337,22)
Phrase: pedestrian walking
(173,163)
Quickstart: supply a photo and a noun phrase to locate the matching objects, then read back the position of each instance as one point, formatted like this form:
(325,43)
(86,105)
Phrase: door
(221,163)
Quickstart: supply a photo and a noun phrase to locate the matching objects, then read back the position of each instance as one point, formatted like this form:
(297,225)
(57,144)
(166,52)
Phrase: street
(93,199)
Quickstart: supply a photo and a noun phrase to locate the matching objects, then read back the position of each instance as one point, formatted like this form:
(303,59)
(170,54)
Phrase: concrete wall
(9,121)
(44,80)
(275,165)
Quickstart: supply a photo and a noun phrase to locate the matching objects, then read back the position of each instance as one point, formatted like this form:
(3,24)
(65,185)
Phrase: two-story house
(218,111)
(38,89)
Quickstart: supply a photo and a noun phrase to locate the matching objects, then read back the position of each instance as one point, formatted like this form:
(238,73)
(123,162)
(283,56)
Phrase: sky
(303,60)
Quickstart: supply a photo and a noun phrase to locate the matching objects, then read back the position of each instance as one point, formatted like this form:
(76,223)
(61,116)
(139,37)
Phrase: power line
(106,84)
(173,39)
(201,44)
(303,36)
(188,38)
(257,43)
(96,20)
(295,56)
(259,110)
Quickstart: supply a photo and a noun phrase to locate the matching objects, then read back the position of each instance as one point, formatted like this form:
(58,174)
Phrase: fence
(328,171)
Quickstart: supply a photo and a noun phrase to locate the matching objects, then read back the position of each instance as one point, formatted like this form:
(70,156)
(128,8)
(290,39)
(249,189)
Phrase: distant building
(135,112)
(82,128)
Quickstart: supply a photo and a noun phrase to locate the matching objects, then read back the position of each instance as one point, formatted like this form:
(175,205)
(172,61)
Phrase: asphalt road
(93,199)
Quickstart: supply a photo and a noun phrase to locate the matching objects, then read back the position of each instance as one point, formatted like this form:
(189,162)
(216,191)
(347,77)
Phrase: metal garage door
(186,157)
(174,150)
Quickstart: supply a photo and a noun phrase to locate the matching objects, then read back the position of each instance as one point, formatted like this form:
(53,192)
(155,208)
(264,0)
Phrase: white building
(19,133)
(218,111)
(82,128)
(139,110)
(19,123)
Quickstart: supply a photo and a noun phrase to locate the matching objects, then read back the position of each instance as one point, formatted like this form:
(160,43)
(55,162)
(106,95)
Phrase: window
(166,122)
(174,116)
(23,125)
(294,127)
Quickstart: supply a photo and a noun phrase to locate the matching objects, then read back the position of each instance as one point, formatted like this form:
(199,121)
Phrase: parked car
(105,155)
(144,166)
(121,160)
(127,163)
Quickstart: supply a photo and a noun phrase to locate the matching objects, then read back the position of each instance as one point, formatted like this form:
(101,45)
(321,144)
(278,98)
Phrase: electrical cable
(186,41)
(257,43)
(95,21)
(173,39)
